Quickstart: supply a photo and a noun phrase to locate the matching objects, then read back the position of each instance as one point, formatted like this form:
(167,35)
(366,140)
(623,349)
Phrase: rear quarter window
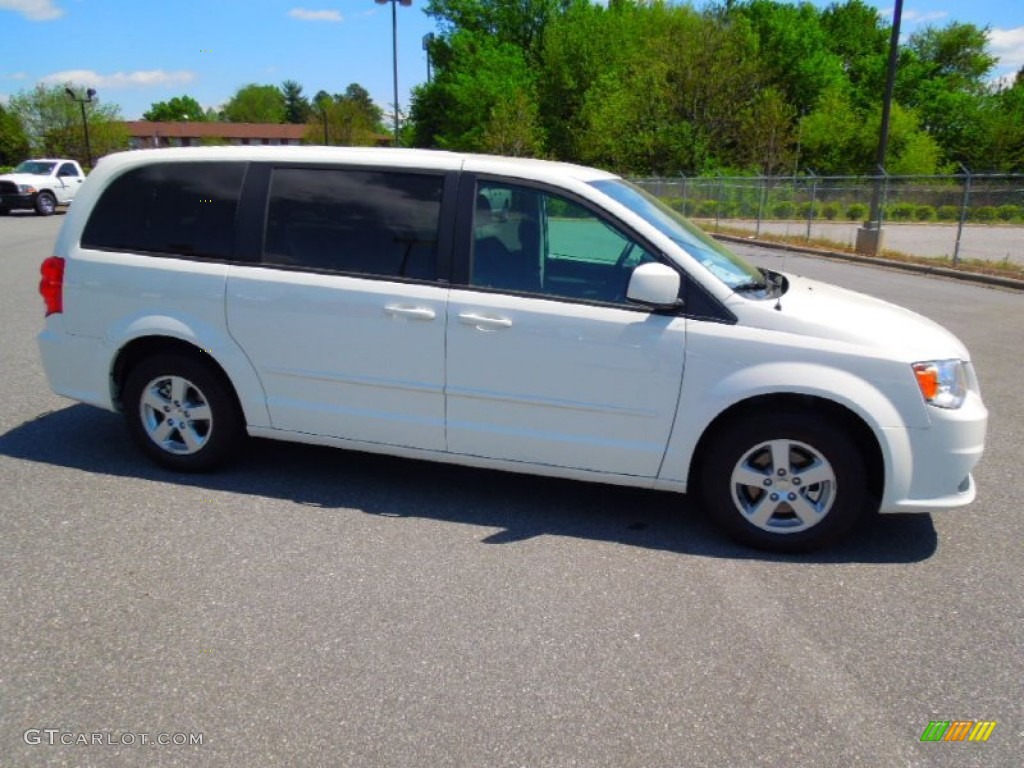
(185,209)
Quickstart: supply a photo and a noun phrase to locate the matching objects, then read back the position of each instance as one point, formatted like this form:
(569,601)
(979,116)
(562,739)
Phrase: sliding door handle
(413,313)
(483,322)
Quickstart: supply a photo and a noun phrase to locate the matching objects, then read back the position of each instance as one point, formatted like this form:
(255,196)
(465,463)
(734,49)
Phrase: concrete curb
(907,266)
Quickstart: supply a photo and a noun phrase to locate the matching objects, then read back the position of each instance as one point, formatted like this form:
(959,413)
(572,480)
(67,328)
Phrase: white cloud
(15,76)
(1008,45)
(910,16)
(307,15)
(139,79)
(33,10)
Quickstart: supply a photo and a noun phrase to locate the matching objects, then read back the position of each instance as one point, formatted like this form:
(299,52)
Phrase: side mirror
(655,285)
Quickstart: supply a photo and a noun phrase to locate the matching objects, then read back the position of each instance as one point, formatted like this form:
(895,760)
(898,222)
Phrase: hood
(24,178)
(821,310)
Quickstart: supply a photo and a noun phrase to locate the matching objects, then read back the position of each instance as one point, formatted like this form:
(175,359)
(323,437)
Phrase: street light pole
(428,40)
(869,237)
(394,49)
(85,123)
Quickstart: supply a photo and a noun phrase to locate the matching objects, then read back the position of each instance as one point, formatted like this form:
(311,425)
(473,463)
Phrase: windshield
(35,167)
(712,255)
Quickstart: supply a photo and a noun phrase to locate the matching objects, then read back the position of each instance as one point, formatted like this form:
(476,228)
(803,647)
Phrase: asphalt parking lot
(314,607)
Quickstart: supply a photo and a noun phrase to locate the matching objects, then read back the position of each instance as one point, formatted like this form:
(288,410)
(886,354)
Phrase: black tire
(182,413)
(46,204)
(749,497)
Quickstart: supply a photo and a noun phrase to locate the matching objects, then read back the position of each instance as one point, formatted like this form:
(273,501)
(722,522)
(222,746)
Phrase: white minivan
(514,314)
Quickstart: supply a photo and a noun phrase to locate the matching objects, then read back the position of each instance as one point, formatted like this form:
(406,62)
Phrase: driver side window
(527,240)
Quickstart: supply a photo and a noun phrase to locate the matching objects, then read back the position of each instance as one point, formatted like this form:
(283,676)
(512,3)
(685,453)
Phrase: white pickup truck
(40,185)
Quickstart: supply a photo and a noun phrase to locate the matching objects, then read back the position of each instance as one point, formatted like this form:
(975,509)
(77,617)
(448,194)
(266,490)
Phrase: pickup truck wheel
(46,204)
(785,481)
(181,413)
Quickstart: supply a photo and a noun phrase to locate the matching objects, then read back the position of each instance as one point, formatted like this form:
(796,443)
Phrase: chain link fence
(955,217)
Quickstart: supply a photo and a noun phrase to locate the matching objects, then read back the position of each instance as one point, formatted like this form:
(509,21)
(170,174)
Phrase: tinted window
(367,222)
(174,208)
(67,170)
(529,240)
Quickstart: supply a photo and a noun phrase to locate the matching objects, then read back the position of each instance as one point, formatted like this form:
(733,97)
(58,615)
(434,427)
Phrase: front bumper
(17,201)
(937,461)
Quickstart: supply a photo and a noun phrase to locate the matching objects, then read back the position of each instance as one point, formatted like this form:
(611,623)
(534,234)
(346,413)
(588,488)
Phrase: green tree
(513,128)
(520,23)
(360,98)
(837,139)
(176,109)
(828,134)
(793,48)
(943,77)
(296,106)
(348,119)
(256,104)
(855,33)
(766,133)
(957,54)
(1005,145)
(53,123)
(452,112)
(14,146)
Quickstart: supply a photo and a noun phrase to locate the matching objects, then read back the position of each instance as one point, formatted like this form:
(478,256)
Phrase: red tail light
(51,287)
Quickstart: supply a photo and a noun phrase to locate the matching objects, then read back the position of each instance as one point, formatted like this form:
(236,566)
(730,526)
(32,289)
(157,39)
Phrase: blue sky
(135,53)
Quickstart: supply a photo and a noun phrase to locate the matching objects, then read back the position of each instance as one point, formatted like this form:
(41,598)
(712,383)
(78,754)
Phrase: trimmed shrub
(706,209)
(856,211)
(808,208)
(983,213)
(948,213)
(924,213)
(783,209)
(1009,212)
(830,211)
(901,211)
(746,207)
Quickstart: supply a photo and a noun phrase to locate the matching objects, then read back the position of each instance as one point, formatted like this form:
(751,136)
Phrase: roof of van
(373,156)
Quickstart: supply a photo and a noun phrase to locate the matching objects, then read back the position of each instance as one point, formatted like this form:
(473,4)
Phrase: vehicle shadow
(521,506)
(25,213)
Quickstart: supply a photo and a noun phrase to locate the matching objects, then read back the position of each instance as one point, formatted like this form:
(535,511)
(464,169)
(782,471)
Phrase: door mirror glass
(655,285)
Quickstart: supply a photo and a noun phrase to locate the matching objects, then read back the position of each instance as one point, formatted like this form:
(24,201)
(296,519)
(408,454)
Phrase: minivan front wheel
(181,413)
(785,481)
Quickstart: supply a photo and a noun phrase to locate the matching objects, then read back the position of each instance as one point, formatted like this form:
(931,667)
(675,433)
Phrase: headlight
(26,189)
(943,383)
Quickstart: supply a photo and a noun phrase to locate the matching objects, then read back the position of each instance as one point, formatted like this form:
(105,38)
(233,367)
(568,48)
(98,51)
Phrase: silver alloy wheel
(783,486)
(176,415)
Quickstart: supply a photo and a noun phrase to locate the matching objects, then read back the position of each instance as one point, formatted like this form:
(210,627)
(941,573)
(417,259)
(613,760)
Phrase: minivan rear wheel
(181,413)
(789,481)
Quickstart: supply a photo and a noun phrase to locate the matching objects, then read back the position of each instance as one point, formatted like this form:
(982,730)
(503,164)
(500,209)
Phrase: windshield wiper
(752,285)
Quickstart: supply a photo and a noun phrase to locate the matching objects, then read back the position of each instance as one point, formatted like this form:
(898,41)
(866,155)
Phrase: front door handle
(483,322)
(413,313)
